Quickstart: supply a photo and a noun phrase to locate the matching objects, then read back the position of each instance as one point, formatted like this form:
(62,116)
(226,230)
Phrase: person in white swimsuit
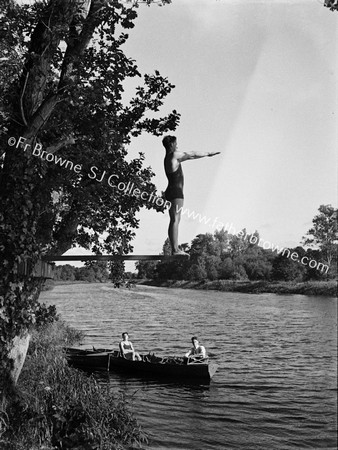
(127,349)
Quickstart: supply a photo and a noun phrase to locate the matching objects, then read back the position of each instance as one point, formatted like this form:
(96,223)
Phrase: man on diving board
(174,192)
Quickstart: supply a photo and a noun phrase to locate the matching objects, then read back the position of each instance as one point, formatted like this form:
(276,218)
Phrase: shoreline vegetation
(57,406)
(320,288)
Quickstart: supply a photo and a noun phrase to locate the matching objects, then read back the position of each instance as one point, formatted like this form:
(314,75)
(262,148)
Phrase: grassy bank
(322,288)
(49,285)
(59,407)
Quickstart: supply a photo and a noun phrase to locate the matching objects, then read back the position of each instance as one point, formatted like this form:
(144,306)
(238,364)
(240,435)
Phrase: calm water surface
(276,386)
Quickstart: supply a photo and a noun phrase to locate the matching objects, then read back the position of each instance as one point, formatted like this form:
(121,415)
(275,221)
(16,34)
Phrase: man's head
(194,341)
(169,142)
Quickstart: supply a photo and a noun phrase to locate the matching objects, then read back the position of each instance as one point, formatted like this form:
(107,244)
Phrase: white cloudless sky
(256,81)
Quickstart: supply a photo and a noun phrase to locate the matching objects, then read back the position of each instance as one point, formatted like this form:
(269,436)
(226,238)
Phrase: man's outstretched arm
(184,156)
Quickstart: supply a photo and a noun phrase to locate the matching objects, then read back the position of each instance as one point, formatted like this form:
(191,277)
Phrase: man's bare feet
(180,253)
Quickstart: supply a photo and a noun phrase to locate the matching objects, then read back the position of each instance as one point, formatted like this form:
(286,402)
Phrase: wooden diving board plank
(114,257)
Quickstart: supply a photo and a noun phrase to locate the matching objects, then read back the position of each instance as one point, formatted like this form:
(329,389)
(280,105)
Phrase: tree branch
(21,100)
(45,39)
(41,116)
(56,147)
(79,40)
(64,237)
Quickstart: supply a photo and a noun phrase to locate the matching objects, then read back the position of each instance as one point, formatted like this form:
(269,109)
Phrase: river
(276,386)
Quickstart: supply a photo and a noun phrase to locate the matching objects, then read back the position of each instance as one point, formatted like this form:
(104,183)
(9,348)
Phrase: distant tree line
(94,272)
(224,256)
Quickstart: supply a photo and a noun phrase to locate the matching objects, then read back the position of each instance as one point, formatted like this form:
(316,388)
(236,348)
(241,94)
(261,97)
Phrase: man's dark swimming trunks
(175,184)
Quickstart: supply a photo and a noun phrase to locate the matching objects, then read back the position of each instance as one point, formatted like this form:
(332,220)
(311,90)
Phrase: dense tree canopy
(225,256)
(76,114)
(65,127)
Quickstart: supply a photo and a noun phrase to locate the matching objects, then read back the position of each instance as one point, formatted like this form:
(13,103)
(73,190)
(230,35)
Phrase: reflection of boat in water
(151,365)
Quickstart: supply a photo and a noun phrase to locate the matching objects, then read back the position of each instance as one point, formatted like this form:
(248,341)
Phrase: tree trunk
(15,336)
(17,354)
(9,375)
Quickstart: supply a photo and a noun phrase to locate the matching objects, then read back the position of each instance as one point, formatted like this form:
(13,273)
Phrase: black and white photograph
(168,224)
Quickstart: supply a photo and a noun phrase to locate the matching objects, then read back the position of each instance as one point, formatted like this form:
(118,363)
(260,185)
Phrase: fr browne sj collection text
(94,172)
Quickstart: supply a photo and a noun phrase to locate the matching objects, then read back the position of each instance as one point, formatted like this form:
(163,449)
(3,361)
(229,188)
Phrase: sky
(255,80)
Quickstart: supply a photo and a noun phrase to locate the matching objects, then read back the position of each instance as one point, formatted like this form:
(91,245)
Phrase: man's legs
(175,217)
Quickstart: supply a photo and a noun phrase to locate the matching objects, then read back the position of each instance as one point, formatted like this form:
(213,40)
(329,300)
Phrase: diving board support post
(41,269)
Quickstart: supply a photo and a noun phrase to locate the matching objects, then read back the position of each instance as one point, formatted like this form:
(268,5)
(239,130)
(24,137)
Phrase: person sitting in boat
(127,349)
(197,352)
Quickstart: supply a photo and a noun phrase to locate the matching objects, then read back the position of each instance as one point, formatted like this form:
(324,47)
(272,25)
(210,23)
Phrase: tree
(324,233)
(164,270)
(238,243)
(257,263)
(332,4)
(197,270)
(212,265)
(314,273)
(285,269)
(204,244)
(226,269)
(146,269)
(239,270)
(67,273)
(117,273)
(222,238)
(64,130)
(204,258)
(94,271)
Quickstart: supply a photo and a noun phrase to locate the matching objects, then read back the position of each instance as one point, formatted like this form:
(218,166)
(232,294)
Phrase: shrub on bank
(59,407)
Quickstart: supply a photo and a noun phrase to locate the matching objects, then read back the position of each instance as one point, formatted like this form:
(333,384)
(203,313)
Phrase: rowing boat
(151,365)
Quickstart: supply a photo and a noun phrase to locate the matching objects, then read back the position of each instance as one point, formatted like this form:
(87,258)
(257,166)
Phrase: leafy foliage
(324,233)
(117,273)
(224,256)
(45,315)
(61,407)
(332,4)
(284,268)
(62,83)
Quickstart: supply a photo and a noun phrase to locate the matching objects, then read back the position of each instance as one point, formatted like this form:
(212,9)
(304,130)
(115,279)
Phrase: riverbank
(320,288)
(60,407)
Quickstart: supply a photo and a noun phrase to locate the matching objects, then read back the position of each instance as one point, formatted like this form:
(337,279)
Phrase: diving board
(114,257)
